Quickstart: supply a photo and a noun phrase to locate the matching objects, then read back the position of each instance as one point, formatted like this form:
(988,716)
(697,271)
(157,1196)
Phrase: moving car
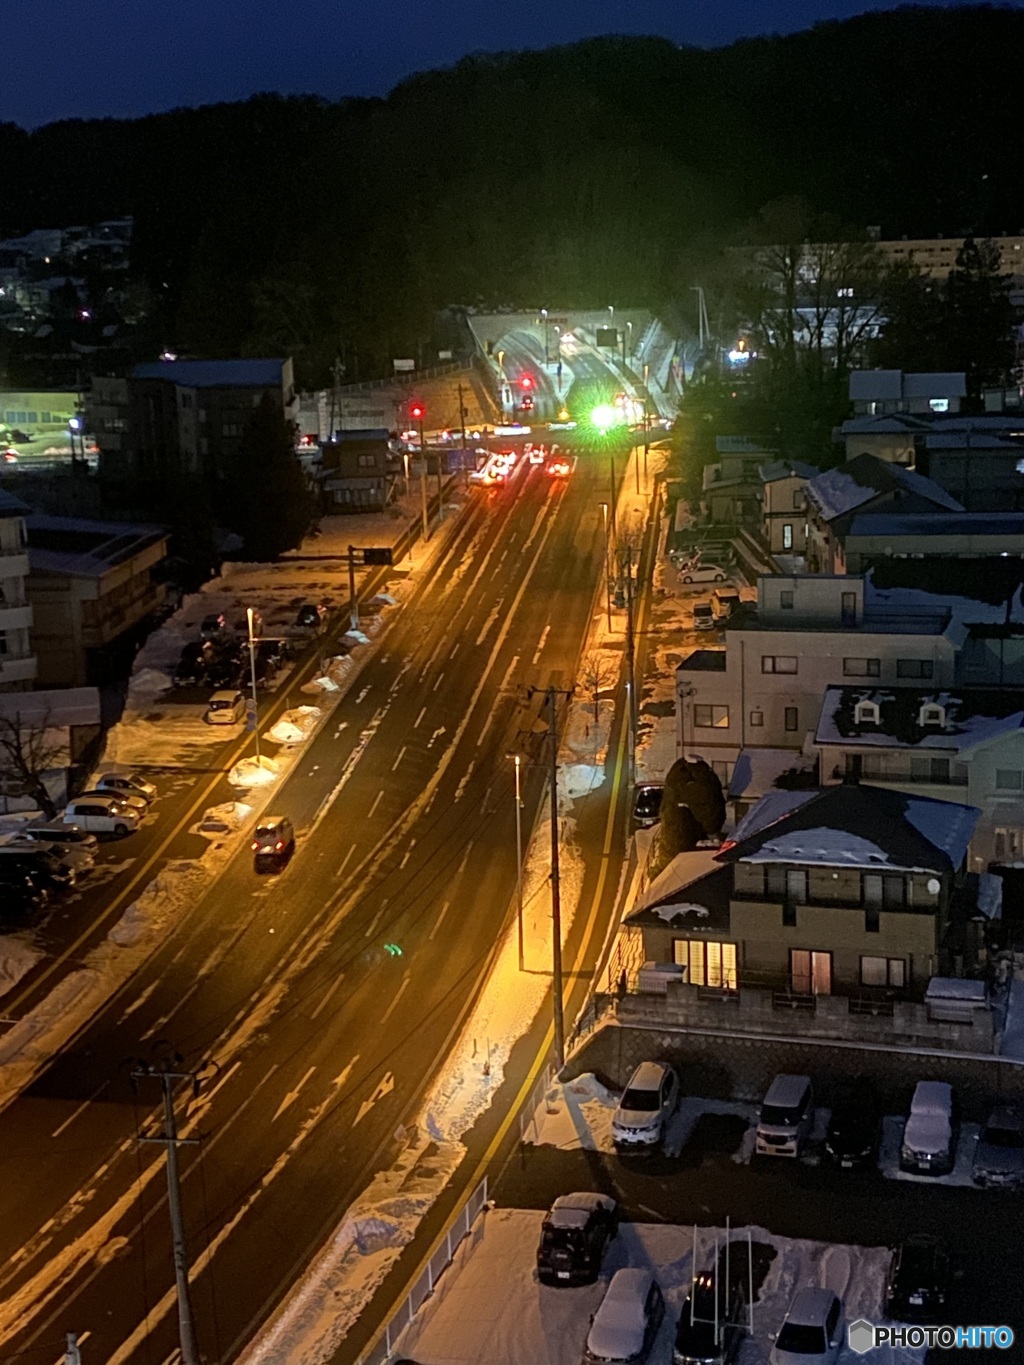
(929,1137)
(852,1136)
(647,1104)
(812,1331)
(273,843)
(999,1154)
(536,454)
(625,1326)
(703,573)
(711,1327)
(559,468)
(130,784)
(225,708)
(99,814)
(647,803)
(787,1113)
(574,1237)
(920,1278)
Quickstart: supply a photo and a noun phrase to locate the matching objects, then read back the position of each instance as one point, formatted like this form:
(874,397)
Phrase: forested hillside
(576,176)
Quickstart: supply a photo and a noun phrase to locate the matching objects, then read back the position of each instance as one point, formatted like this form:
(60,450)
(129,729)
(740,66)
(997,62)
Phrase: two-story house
(783,505)
(732,486)
(862,485)
(765,688)
(963,744)
(354,470)
(849,890)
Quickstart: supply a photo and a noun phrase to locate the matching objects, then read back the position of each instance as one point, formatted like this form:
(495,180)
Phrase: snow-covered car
(929,1137)
(647,1104)
(627,1322)
(129,784)
(100,815)
(574,1238)
(786,1117)
(999,1154)
(703,573)
(225,708)
(812,1332)
(64,834)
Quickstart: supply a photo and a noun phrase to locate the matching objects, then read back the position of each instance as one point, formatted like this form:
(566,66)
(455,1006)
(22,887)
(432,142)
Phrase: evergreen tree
(267,499)
(979,318)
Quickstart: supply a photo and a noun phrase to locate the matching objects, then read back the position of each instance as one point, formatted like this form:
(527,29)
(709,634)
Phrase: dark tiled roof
(704,661)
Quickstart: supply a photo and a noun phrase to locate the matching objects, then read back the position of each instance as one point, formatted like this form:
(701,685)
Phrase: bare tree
(597,675)
(28,751)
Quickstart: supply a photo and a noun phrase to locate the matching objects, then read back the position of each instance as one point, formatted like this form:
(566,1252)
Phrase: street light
(604,418)
(519,866)
(252,676)
(607,565)
(418,412)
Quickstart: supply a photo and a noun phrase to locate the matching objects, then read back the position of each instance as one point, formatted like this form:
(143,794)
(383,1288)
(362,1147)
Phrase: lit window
(707,964)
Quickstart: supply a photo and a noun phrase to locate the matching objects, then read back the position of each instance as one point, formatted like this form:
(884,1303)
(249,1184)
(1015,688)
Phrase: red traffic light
(417,410)
(526,381)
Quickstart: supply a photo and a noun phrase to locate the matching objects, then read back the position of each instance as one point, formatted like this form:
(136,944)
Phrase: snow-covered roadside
(489,1306)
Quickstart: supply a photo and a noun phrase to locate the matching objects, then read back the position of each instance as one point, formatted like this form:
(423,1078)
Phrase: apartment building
(807,632)
(18,662)
(877,392)
(849,890)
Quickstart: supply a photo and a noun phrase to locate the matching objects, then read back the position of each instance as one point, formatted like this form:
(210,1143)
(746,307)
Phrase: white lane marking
(485,628)
(350,766)
(437,922)
(455,650)
(401,755)
(408,854)
(343,725)
(438,683)
(397,996)
(419,718)
(363,693)
(543,637)
(376,802)
(292,1095)
(491,714)
(330,991)
(376,919)
(344,862)
(80,1110)
(436,735)
(343,1077)
(139,1000)
(460,789)
(384,1087)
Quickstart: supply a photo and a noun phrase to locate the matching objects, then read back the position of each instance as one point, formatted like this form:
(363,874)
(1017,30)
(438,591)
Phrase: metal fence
(437,1263)
(527,1115)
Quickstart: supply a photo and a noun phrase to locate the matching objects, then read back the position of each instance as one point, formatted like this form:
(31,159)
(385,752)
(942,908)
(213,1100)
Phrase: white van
(929,1138)
(724,602)
(100,815)
(787,1115)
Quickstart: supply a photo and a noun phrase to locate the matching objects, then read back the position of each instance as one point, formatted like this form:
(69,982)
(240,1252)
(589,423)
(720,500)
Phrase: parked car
(574,1237)
(920,1278)
(130,784)
(812,1331)
(191,667)
(647,803)
(138,804)
(311,616)
(225,672)
(38,862)
(852,1136)
(242,624)
(929,1137)
(647,1104)
(65,834)
(225,707)
(99,814)
(786,1118)
(18,901)
(214,624)
(711,1328)
(724,602)
(704,573)
(273,651)
(703,616)
(624,1327)
(999,1154)
(73,856)
(273,843)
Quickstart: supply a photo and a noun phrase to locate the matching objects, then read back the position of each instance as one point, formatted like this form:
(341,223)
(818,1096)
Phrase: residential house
(978,461)
(732,486)
(806,632)
(874,537)
(90,583)
(354,470)
(18,662)
(884,392)
(851,890)
(864,484)
(964,744)
(783,504)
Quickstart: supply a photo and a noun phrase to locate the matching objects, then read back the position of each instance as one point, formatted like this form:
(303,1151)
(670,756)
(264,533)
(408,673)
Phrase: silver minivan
(786,1118)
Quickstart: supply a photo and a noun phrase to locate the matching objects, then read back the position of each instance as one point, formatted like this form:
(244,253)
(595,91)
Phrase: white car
(929,1137)
(812,1332)
(646,1106)
(704,573)
(100,815)
(225,708)
(127,784)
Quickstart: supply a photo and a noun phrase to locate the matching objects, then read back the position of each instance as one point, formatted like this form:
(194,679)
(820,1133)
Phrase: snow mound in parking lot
(16,959)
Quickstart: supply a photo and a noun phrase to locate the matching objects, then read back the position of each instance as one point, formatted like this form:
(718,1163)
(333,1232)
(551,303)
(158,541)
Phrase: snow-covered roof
(573,1210)
(855,826)
(972,716)
(773,806)
(787,469)
(757,771)
(83,548)
(214,374)
(842,490)
(956,988)
(701,902)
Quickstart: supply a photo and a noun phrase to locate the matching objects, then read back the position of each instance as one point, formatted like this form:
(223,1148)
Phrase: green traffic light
(605,417)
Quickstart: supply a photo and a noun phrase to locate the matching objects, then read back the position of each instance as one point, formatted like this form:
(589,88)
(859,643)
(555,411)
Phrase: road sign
(380,554)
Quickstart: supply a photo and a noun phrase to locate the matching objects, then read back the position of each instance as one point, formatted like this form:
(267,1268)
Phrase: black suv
(920,1278)
(574,1237)
(710,1330)
(852,1136)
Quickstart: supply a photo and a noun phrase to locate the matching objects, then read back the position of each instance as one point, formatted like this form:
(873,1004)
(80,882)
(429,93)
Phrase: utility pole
(556,903)
(462,425)
(170,1139)
(72,1355)
(630,647)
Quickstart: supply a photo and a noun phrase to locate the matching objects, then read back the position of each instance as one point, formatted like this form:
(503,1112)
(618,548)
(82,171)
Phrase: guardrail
(529,1109)
(438,1262)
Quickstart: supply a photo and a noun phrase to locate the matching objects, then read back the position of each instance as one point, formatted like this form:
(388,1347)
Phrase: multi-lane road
(315,1039)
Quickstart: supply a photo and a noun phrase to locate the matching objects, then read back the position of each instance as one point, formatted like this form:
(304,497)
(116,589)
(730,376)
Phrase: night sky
(90,58)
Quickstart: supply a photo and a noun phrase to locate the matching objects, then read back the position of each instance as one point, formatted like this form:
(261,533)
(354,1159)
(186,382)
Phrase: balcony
(13,563)
(16,618)
(18,670)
